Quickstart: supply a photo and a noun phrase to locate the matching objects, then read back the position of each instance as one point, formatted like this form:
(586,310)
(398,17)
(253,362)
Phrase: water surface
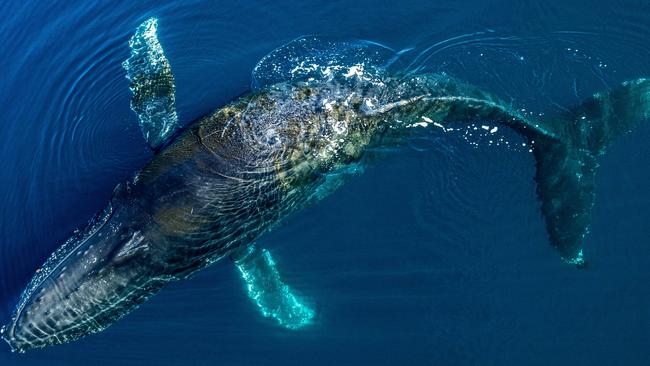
(436,255)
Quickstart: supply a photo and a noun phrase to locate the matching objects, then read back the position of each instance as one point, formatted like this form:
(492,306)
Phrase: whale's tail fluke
(566,147)
(566,165)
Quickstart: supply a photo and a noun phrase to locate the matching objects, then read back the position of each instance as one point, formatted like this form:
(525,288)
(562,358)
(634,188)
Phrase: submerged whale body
(213,188)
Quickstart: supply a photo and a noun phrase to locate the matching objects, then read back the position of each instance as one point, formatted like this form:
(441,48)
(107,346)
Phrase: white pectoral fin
(152,84)
(265,287)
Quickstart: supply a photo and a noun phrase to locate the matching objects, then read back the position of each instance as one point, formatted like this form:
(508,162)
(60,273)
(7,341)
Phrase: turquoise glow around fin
(578,261)
(272,296)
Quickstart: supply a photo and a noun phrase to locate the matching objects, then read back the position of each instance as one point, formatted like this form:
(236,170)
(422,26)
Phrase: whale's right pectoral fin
(152,84)
(266,288)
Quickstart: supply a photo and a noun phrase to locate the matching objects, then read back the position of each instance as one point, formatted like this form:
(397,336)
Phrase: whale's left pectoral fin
(152,84)
(265,287)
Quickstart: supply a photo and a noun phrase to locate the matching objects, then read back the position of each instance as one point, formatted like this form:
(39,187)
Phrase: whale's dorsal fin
(265,287)
(152,84)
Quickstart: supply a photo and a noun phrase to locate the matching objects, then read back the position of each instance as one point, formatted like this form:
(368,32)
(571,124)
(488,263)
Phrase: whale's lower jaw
(67,323)
(93,280)
(77,300)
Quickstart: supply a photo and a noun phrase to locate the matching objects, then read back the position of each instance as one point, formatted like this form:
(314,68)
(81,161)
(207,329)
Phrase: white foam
(440,126)
(329,105)
(418,124)
(355,70)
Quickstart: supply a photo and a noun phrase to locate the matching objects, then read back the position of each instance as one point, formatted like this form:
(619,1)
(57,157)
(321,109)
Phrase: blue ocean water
(436,255)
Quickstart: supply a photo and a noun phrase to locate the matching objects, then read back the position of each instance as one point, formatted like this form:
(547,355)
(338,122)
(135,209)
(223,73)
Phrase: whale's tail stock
(566,147)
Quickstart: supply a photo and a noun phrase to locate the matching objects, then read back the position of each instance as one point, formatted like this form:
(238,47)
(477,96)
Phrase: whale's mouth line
(10,334)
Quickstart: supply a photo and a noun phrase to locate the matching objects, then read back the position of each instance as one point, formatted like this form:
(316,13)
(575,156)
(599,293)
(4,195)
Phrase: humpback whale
(213,187)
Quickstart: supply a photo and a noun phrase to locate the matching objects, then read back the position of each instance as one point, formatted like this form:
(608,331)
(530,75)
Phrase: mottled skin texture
(221,183)
(225,180)
(235,173)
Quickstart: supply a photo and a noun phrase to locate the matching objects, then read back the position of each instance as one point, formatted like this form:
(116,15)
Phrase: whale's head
(91,281)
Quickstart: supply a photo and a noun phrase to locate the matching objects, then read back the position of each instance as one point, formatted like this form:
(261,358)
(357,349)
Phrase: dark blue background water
(437,255)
